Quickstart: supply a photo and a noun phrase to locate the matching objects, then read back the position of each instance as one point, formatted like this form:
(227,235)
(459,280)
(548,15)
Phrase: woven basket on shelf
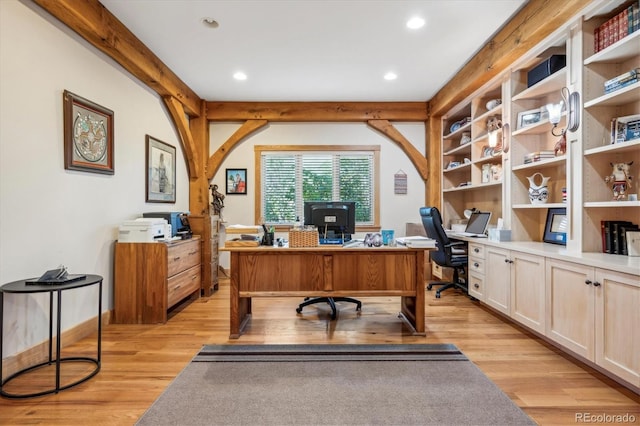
(303,238)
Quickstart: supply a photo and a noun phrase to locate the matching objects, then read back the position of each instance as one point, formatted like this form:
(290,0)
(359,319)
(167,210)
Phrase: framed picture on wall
(88,135)
(555,230)
(160,171)
(236,181)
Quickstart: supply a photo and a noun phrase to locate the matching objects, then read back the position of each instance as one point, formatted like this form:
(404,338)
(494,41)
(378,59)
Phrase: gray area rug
(332,385)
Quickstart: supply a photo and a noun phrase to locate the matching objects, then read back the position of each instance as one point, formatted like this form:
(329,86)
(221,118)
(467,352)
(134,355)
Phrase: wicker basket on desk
(303,238)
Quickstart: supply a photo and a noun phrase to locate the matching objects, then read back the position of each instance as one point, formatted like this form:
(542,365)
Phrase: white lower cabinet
(497,285)
(528,290)
(617,324)
(596,314)
(514,285)
(475,270)
(571,306)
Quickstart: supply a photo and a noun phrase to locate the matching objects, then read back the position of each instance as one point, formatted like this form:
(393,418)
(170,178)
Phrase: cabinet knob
(506,261)
(476,285)
(477,250)
(476,264)
(587,282)
(596,284)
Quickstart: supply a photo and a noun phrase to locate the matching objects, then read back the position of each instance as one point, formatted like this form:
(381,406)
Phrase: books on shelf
(532,157)
(618,27)
(618,86)
(614,236)
(623,80)
(624,129)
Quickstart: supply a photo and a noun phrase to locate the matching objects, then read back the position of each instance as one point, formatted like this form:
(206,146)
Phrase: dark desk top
(21,286)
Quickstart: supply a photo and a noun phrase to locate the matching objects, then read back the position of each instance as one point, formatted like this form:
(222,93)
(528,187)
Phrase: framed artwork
(88,135)
(161,171)
(555,230)
(236,181)
(531,117)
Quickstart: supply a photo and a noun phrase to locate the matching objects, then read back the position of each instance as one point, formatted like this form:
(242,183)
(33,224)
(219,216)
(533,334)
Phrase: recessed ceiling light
(415,23)
(210,22)
(390,76)
(240,76)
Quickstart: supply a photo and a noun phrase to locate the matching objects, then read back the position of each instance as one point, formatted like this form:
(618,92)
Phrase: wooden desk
(327,271)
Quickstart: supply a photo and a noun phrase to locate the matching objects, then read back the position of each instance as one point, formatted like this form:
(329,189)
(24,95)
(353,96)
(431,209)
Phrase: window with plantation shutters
(289,177)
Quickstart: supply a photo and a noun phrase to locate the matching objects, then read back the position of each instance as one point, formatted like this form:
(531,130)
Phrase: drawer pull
(476,265)
(477,250)
(587,282)
(177,287)
(191,253)
(175,259)
(596,284)
(476,285)
(194,277)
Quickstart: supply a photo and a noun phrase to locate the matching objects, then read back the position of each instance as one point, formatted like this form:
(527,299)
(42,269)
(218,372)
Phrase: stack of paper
(417,242)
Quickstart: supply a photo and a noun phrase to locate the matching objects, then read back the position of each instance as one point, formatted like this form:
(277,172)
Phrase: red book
(603,225)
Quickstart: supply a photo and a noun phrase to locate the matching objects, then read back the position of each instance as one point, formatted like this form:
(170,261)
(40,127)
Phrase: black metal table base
(57,289)
(58,388)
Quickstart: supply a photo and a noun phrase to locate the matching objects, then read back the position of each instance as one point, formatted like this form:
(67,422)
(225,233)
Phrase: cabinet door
(618,324)
(497,279)
(527,290)
(570,306)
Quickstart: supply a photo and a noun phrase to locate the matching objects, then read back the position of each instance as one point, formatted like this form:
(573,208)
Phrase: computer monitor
(334,219)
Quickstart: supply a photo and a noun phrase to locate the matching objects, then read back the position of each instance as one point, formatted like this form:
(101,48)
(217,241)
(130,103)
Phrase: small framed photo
(161,171)
(531,117)
(88,135)
(555,230)
(236,181)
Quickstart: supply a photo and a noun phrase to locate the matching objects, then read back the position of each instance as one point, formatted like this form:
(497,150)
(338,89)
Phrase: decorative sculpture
(218,199)
(621,178)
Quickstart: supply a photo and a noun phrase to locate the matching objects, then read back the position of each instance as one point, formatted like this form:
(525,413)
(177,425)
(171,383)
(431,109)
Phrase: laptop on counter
(476,227)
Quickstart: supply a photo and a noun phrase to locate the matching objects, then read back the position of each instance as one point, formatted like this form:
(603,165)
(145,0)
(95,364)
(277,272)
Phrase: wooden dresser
(150,278)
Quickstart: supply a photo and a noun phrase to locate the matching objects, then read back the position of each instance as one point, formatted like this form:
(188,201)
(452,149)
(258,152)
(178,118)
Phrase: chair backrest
(432,222)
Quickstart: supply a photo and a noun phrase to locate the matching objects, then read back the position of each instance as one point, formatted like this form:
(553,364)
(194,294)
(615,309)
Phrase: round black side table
(29,288)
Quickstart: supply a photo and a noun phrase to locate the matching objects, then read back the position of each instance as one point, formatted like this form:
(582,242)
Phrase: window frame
(330,149)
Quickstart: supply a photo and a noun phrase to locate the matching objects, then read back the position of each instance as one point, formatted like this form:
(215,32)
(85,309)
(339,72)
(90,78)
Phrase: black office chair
(449,254)
(331,301)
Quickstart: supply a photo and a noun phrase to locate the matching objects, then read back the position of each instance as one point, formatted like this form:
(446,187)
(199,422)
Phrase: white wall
(49,215)
(395,209)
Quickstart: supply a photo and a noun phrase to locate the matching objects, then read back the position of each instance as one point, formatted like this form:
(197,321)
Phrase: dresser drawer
(476,265)
(476,286)
(183,256)
(476,251)
(183,284)
(440,272)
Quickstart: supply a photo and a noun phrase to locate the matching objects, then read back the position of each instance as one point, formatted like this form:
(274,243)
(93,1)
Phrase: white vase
(538,192)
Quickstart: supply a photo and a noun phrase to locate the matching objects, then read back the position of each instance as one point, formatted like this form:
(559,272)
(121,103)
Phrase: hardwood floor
(139,361)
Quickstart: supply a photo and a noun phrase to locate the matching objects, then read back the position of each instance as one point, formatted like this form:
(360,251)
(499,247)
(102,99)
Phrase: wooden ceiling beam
(532,24)
(416,157)
(317,111)
(194,163)
(215,161)
(93,22)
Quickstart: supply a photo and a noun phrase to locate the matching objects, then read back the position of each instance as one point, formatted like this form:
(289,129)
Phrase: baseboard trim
(40,352)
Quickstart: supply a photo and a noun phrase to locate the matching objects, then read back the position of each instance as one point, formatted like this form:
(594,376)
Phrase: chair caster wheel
(429,287)
(298,310)
(437,295)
